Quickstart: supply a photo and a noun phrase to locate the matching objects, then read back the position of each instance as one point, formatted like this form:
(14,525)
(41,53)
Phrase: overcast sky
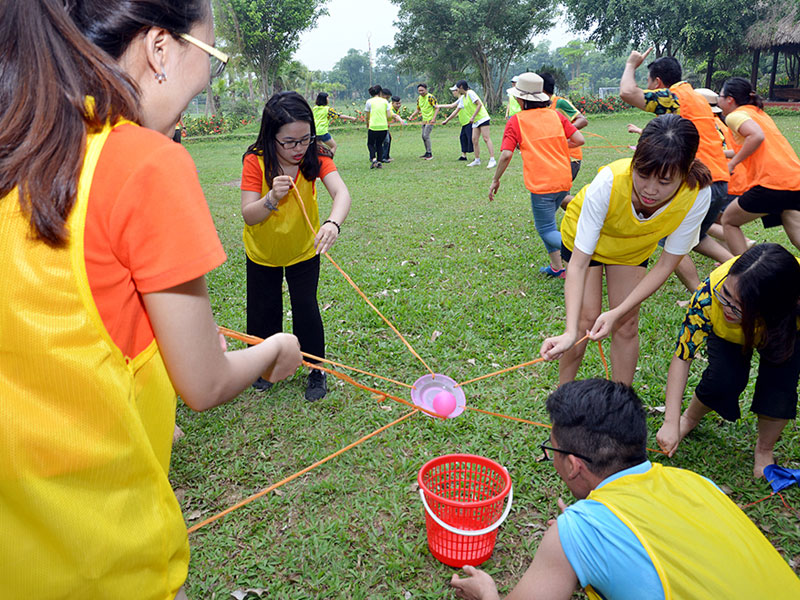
(350,22)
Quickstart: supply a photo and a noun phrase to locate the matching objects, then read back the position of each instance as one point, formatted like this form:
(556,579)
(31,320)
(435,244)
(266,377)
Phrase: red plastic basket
(463,497)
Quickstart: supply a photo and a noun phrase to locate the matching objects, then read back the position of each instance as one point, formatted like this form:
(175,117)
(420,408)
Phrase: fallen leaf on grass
(656,409)
(413,487)
(279,492)
(248,593)
(435,335)
(195,514)
(471,361)
(327,306)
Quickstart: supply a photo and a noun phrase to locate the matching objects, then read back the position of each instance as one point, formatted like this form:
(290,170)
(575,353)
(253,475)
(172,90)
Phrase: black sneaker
(462,158)
(317,386)
(378,165)
(374,164)
(262,385)
(424,155)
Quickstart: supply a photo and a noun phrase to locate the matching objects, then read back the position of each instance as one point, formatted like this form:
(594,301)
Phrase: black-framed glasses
(218,58)
(292,144)
(721,296)
(548,452)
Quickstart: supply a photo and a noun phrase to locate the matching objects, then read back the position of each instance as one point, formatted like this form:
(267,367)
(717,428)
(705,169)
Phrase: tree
(450,36)
(574,53)
(266,32)
(352,71)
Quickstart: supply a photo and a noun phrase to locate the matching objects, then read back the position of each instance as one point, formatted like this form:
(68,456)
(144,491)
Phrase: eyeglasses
(718,292)
(547,450)
(292,144)
(218,59)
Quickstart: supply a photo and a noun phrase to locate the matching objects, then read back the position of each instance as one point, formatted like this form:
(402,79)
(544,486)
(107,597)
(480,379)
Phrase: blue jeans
(544,207)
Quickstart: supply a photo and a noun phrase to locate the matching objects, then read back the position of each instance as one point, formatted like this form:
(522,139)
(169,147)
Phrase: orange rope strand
(275,486)
(355,287)
(603,358)
(251,339)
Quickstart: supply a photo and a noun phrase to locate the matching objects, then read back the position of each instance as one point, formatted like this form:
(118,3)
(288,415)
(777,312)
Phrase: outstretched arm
(669,436)
(628,90)
(502,165)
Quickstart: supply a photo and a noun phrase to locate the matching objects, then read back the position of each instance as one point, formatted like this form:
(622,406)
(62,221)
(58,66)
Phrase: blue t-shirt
(604,552)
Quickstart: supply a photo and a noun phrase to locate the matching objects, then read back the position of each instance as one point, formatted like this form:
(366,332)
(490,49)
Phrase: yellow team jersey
(624,239)
(284,238)
(86,508)
(378,118)
(701,544)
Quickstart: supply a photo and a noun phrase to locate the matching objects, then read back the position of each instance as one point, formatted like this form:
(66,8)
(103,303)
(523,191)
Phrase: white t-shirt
(595,209)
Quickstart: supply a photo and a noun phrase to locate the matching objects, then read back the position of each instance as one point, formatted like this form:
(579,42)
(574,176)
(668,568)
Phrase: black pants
(375,141)
(466,139)
(387,146)
(265,303)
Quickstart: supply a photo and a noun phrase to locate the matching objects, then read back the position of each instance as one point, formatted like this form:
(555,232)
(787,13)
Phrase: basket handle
(469,533)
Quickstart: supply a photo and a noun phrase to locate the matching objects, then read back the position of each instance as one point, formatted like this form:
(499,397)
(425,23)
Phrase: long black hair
(768,286)
(283,108)
(742,92)
(667,147)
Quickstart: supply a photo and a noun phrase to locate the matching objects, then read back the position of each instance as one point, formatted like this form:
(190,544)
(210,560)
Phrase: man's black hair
(667,68)
(602,420)
(424,85)
(386,92)
(395,98)
(462,84)
(548,83)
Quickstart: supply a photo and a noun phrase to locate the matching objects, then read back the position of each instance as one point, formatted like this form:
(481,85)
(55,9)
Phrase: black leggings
(375,141)
(265,303)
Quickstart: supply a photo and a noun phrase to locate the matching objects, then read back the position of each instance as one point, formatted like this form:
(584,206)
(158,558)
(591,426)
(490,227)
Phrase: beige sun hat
(529,87)
(711,97)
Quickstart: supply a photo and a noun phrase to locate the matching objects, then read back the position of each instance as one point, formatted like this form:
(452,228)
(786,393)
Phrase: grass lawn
(459,277)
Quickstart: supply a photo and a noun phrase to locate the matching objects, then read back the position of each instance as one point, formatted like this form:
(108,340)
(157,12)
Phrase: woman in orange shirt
(106,238)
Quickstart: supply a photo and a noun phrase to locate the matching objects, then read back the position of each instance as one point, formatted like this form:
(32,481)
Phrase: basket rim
(465,458)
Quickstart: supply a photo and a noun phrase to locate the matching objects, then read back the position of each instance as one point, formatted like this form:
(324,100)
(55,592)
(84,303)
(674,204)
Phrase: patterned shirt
(697,323)
(661,102)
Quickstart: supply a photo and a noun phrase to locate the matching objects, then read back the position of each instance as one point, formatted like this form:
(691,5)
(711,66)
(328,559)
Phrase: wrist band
(338,228)
(268,202)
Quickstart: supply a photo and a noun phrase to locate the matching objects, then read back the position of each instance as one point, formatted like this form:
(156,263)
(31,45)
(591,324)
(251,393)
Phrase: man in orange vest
(667,93)
(639,529)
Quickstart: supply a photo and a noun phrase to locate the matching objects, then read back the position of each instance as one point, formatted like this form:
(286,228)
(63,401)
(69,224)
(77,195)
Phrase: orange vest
(574,153)
(774,164)
(86,508)
(695,108)
(624,239)
(740,178)
(545,155)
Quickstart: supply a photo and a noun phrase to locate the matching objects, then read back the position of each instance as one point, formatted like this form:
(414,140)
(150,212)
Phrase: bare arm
(502,165)
(257,208)
(628,90)
(328,232)
(576,139)
(669,436)
(452,115)
(753,137)
(451,105)
(580,121)
(478,106)
(552,348)
(202,373)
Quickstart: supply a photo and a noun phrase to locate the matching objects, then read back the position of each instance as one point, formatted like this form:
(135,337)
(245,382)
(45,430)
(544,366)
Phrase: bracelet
(268,202)
(338,228)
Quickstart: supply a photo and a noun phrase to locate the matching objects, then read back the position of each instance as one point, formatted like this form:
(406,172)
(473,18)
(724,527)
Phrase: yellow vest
(321,118)
(86,508)
(470,106)
(701,544)
(378,120)
(425,107)
(513,105)
(284,238)
(624,239)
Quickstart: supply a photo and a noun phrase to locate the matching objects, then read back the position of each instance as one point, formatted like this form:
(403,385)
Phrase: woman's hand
(553,347)
(280,187)
(326,237)
(669,436)
(288,357)
(604,325)
(494,187)
(479,585)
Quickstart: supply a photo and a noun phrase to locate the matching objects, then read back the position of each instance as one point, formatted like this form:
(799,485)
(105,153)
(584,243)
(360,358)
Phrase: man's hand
(478,586)
(635,59)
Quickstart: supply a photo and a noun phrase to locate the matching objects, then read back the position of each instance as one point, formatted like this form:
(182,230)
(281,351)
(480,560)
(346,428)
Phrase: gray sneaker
(317,386)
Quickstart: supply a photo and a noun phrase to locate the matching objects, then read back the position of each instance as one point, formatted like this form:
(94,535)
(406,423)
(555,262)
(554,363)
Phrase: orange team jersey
(740,178)
(574,153)
(695,108)
(542,138)
(148,228)
(774,164)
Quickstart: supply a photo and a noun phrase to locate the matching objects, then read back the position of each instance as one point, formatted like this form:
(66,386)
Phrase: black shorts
(566,254)
(719,200)
(728,371)
(763,200)
(575,165)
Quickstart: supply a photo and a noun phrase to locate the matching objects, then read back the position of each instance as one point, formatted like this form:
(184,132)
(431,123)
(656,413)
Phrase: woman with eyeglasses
(278,240)
(105,239)
(749,302)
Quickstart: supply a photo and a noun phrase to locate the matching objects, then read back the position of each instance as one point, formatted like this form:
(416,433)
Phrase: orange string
(615,146)
(251,339)
(603,358)
(355,287)
(275,486)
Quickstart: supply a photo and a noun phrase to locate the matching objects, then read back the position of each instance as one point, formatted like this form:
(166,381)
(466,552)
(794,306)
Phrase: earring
(161,77)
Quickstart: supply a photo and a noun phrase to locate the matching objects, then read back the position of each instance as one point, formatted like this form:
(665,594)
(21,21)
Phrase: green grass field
(459,277)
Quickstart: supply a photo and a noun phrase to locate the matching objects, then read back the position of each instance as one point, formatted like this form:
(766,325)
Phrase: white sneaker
(492,163)
(475,163)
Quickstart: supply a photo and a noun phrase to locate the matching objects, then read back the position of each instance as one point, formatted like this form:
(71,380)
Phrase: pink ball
(444,403)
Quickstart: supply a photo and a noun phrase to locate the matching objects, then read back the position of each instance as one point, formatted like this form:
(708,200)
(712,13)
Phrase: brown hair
(667,147)
(46,73)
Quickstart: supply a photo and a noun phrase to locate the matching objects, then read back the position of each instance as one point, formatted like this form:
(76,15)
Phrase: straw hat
(529,87)
(711,97)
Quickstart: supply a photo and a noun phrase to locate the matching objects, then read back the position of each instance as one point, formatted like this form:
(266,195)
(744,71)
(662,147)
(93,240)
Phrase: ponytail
(47,71)
(699,175)
(742,92)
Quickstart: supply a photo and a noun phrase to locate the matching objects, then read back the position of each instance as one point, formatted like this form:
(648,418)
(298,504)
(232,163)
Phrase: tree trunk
(250,93)
(754,70)
(211,108)
(710,68)
(772,75)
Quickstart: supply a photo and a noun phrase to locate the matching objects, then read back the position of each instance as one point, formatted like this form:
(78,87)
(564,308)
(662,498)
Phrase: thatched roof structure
(778,27)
